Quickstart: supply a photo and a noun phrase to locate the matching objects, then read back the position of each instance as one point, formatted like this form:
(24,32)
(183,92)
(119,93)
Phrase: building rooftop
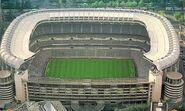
(41,106)
(4,74)
(174,75)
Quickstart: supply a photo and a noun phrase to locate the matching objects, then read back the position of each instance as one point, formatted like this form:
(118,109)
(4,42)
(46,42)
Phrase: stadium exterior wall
(139,90)
(130,90)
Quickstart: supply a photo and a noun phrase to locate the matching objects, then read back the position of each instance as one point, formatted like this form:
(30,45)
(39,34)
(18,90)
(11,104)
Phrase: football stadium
(95,56)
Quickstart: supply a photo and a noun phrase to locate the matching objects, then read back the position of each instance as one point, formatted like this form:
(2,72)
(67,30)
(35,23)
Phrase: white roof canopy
(164,50)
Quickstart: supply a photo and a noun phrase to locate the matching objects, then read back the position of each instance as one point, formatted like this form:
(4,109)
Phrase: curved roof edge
(164,50)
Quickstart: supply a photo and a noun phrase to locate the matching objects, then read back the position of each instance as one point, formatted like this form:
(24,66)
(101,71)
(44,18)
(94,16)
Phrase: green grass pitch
(92,68)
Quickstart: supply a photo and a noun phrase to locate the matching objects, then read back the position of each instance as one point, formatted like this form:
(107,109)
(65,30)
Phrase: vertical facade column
(20,78)
(150,92)
(155,77)
(1,14)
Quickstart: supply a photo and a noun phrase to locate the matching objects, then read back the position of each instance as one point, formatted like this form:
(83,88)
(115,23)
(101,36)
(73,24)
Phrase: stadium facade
(35,37)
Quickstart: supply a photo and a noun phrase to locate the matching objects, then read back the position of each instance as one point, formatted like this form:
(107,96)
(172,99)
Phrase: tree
(114,4)
(141,3)
(27,4)
(139,107)
(18,5)
(8,4)
(109,4)
(179,3)
(117,2)
(84,5)
(101,4)
(179,16)
(95,4)
(161,12)
(131,3)
(64,1)
(122,4)
(151,4)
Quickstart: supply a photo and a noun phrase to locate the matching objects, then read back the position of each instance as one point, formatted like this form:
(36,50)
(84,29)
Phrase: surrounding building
(158,106)
(174,87)
(6,88)
(41,106)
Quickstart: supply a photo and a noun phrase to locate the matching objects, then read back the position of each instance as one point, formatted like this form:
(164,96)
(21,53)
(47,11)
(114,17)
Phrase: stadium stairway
(75,106)
(100,105)
(87,107)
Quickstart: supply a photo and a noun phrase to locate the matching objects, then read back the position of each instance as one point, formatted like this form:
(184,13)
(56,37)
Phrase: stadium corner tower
(100,56)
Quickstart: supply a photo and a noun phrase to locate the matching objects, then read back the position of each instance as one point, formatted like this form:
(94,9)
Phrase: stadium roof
(164,50)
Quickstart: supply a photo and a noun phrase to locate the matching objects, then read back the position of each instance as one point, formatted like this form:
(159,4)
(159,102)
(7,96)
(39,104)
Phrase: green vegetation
(17,4)
(157,4)
(25,4)
(161,12)
(138,107)
(179,16)
(90,68)
(179,106)
(114,3)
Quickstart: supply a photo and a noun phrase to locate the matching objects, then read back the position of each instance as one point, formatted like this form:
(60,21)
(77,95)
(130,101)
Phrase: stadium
(96,56)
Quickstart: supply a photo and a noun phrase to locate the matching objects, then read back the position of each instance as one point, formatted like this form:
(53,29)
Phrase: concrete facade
(174,87)
(155,77)
(20,85)
(6,87)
